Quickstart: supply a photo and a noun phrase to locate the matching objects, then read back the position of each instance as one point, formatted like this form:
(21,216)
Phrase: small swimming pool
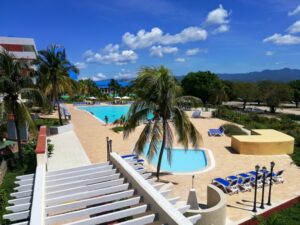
(112,112)
(192,160)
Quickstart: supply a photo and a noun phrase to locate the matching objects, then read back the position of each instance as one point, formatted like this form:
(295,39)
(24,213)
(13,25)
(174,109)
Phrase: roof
(105,83)
(119,190)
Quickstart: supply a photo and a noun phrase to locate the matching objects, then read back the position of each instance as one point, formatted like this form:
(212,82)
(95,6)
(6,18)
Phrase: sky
(114,38)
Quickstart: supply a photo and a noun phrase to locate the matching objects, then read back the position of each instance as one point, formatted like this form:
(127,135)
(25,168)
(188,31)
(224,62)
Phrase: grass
(8,182)
(290,216)
(48,122)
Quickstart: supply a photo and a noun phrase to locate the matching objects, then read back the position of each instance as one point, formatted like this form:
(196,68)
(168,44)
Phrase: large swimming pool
(112,112)
(192,160)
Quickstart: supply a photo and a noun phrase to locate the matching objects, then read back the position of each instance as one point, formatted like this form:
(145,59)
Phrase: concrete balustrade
(215,213)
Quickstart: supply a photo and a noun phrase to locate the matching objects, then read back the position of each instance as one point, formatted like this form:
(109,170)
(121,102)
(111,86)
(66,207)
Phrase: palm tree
(54,78)
(158,93)
(15,81)
(115,86)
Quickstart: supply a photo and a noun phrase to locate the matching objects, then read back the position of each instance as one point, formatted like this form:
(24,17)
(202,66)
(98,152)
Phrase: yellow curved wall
(263,142)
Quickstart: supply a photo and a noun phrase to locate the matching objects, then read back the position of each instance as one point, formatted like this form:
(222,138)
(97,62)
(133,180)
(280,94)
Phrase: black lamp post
(255,188)
(263,188)
(271,182)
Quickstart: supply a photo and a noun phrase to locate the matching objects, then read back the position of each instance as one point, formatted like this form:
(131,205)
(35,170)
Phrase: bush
(231,129)
(118,129)
(48,122)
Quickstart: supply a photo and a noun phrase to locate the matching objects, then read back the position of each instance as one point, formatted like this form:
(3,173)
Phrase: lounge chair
(196,114)
(216,132)
(228,187)
(276,177)
(243,183)
(259,178)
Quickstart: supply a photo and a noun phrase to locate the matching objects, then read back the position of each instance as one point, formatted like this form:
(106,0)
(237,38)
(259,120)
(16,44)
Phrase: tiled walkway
(68,152)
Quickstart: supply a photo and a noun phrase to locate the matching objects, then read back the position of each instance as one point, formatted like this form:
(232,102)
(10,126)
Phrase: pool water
(112,112)
(191,160)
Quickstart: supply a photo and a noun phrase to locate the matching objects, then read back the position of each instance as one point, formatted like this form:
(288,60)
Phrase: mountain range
(282,75)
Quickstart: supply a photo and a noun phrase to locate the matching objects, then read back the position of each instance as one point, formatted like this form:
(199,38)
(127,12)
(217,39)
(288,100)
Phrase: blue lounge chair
(259,178)
(243,183)
(225,185)
(216,132)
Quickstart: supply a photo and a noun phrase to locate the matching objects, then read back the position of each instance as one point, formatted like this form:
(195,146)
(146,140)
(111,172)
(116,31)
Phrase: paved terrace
(92,135)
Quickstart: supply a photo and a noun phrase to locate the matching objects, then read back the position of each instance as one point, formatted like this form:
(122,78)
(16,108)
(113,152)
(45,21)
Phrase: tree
(274,93)
(245,91)
(15,81)
(115,86)
(205,85)
(158,93)
(295,85)
(88,87)
(53,71)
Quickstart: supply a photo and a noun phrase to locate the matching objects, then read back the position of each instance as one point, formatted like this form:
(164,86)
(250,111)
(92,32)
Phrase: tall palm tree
(54,78)
(158,93)
(15,81)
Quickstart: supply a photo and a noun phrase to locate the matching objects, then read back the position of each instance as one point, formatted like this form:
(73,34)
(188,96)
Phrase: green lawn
(290,216)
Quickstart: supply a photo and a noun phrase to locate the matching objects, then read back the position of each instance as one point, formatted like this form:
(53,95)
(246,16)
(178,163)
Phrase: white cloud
(111,55)
(295,11)
(294,28)
(180,60)
(125,74)
(160,50)
(80,65)
(194,51)
(280,39)
(145,39)
(218,16)
(269,53)
(98,76)
(111,48)
(221,29)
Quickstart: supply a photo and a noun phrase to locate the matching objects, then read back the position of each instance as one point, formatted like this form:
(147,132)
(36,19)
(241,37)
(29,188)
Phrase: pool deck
(92,135)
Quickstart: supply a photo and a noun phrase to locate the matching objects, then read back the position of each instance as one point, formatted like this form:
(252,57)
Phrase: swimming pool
(112,112)
(192,160)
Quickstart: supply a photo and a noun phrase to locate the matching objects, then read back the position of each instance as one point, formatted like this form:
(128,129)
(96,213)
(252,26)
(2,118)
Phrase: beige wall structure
(215,212)
(263,142)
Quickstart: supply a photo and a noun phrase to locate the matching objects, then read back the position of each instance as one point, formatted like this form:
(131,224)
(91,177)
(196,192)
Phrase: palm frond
(155,140)
(143,138)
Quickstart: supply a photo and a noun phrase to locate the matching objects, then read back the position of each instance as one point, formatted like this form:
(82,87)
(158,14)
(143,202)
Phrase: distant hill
(283,75)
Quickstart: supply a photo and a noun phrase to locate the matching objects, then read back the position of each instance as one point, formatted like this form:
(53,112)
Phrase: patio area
(92,135)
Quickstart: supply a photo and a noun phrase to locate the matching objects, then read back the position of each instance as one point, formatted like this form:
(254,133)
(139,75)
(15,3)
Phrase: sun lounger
(259,178)
(228,187)
(216,132)
(196,114)
(276,177)
(243,183)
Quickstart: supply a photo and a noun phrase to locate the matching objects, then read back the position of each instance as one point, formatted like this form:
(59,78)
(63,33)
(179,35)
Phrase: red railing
(41,141)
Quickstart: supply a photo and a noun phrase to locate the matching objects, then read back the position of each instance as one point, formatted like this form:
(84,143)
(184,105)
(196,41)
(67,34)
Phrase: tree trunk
(297,104)
(161,149)
(20,151)
(59,114)
(244,104)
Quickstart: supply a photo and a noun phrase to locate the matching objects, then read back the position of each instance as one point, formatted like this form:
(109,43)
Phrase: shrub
(231,129)
(118,129)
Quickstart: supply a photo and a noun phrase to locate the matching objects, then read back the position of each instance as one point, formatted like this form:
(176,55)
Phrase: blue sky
(114,38)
